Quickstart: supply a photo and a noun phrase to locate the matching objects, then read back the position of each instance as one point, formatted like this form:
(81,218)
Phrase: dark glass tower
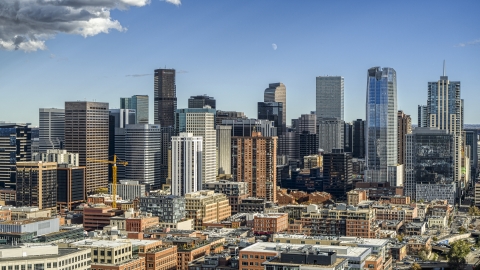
(358,138)
(272,111)
(165,97)
(201,101)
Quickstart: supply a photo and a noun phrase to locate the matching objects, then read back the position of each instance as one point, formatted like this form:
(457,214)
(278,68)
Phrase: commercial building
(206,207)
(129,189)
(228,115)
(201,101)
(337,174)
(118,120)
(164,257)
(139,103)
(259,153)
(348,137)
(235,191)
(86,133)
(330,134)
(224,149)
(272,111)
(277,92)
(307,145)
(37,184)
(201,123)
(270,223)
(381,124)
(169,208)
(422,116)
(330,97)
(98,216)
(165,97)
(37,226)
(252,205)
(59,156)
(51,129)
(142,152)
(70,186)
(358,138)
(404,128)
(471,140)
(187,155)
(15,145)
(245,127)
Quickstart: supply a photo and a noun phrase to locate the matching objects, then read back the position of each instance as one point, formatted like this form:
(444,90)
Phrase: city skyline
(336,47)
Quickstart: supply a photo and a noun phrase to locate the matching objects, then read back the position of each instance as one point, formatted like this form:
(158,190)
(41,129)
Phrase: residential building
(37,184)
(235,191)
(139,103)
(382,124)
(330,134)
(59,156)
(70,186)
(142,152)
(201,123)
(437,222)
(224,149)
(201,101)
(358,138)
(15,142)
(260,153)
(422,116)
(51,129)
(98,216)
(206,207)
(430,191)
(186,164)
(129,189)
(337,173)
(416,228)
(354,197)
(169,208)
(404,128)
(277,92)
(161,258)
(270,223)
(404,213)
(86,133)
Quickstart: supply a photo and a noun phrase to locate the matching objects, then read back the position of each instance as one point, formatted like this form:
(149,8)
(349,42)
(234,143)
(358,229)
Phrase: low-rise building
(437,222)
(235,191)
(270,223)
(252,205)
(5,215)
(129,189)
(19,213)
(169,208)
(415,228)
(38,226)
(398,251)
(395,212)
(206,207)
(97,216)
(318,197)
(415,244)
(161,258)
(222,261)
(356,196)
(306,259)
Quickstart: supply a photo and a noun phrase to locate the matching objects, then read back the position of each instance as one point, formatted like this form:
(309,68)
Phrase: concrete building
(354,197)
(59,156)
(98,216)
(118,120)
(86,133)
(270,223)
(19,213)
(70,186)
(330,134)
(142,152)
(330,97)
(277,92)
(404,128)
(245,127)
(169,208)
(235,191)
(201,123)
(187,166)
(15,142)
(312,161)
(260,153)
(201,101)
(206,207)
(44,257)
(51,129)
(228,115)
(252,205)
(37,184)
(39,226)
(224,149)
(382,124)
(139,103)
(129,189)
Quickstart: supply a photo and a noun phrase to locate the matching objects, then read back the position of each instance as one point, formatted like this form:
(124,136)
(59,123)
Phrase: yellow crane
(114,162)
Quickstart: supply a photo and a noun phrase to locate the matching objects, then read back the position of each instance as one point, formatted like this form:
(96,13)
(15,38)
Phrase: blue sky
(224,49)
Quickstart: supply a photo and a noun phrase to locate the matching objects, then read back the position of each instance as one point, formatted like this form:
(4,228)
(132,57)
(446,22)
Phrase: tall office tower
(471,140)
(358,138)
(201,123)
(120,118)
(165,97)
(404,128)
(288,145)
(166,164)
(330,100)
(254,160)
(186,164)
(306,122)
(139,103)
(337,173)
(58,156)
(224,149)
(445,111)
(35,140)
(228,115)
(142,152)
(277,92)
(330,134)
(201,101)
(272,111)
(37,184)
(381,135)
(348,137)
(422,117)
(123,117)
(15,142)
(52,129)
(429,166)
(245,127)
(86,133)
(70,186)
(307,145)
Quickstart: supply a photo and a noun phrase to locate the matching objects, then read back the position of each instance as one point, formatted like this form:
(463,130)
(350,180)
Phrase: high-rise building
(330,97)
(15,142)
(337,173)
(86,133)
(165,100)
(306,122)
(228,115)
(404,128)
(245,127)
(139,103)
(201,101)
(52,129)
(118,120)
(37,184)
(348,137)
(381,135)
(471,140)
(224,149)
(287,145)
(123,117)
(272,111)
(142,152)
(307,145)
(70,186)
(330,134)
(277,92)
(165,171)
(58,156)
(186,164)
(201,123)
(429,163)
(254,161)
(422,120)
(358,138)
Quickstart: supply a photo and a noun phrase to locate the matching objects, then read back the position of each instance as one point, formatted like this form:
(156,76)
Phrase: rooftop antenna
(444,67)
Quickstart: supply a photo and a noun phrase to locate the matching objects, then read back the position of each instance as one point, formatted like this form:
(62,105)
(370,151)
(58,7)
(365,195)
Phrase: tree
(473,211)
(101,190)
(456,255)
(415,266)
(462,230)
(435,257)
(399,238)
(423,254)
(435,238)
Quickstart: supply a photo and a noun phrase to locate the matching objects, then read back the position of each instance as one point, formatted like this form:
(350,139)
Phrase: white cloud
(470,43)
(274,46)
(27,24)
(175,2)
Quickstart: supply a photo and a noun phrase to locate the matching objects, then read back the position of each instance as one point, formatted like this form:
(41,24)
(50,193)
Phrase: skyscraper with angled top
(277,92)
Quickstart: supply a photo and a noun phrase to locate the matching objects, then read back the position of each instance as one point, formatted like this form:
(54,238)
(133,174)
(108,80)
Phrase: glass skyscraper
(381,126)
(139,103)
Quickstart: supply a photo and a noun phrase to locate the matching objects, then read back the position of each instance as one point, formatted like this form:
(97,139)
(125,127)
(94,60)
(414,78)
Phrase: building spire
(444,67)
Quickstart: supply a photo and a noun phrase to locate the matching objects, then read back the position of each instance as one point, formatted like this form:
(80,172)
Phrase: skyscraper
(86,133)
(382,125)
(272,111)
(337,173)
(330,134)
(422,120)
(404,128)
(201,101)
(165,99)
(358,138)
(52,129)
(277,92)
(348,137)
(224,149)
(37,184)
(201,123)
(15,142)
(139,103)
(186,164)
(330,97)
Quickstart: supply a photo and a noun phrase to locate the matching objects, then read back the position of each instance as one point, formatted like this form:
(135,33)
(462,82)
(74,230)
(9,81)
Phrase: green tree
(462,230)
(435,238)
(473,211)
(423,254)
(415,266)
(456,255)
(435,257)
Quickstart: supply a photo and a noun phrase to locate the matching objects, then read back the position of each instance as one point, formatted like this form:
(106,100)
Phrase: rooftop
(25,221)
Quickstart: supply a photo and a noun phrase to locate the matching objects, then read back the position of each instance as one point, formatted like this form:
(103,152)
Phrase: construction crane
(114,163)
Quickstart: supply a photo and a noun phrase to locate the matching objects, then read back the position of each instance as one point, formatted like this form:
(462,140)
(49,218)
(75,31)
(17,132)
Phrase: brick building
(270,223)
